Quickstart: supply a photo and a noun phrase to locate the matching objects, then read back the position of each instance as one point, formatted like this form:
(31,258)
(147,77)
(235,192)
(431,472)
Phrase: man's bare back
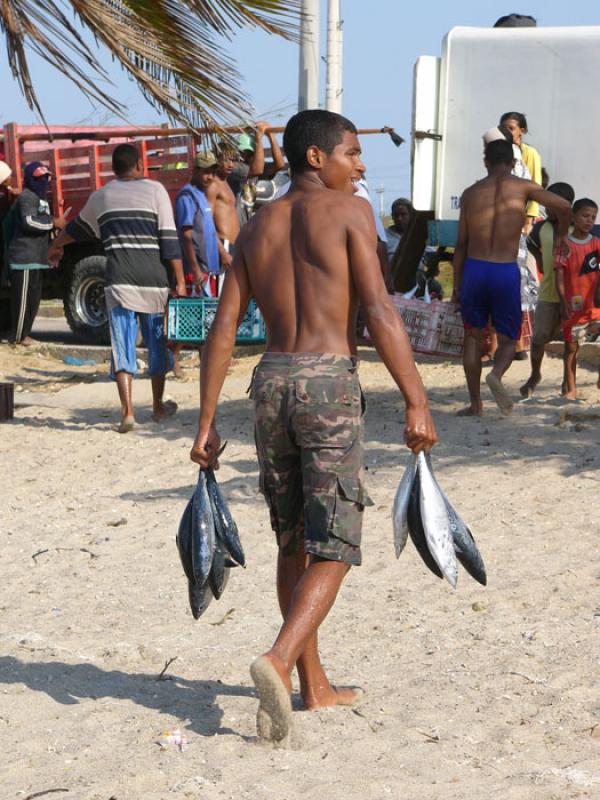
(223,204)
(494,212)
(295,253)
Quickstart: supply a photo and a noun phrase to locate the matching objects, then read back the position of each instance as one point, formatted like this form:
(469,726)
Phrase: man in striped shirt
(133,218)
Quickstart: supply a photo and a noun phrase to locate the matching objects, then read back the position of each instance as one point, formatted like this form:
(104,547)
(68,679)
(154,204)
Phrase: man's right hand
(205,449)
(54,255)
(200,277)
(564,310)
(181,289)
(419,430)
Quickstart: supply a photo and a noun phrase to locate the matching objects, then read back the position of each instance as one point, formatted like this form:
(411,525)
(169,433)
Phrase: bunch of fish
(208,543)
(422,510)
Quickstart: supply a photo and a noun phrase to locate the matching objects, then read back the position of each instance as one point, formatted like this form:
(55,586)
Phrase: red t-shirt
(581,270)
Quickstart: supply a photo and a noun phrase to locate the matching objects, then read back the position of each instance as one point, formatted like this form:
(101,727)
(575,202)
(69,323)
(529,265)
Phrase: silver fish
(415,528)
(225,526)
(184,540)
(200,596)
(464,544)
(219,573)
(400,507)
(203,532)
(436,523)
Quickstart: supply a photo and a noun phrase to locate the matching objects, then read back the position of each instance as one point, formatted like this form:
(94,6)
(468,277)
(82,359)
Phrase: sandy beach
(474,693)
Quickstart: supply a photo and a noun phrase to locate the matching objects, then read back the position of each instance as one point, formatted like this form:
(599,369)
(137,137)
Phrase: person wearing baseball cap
(27,253)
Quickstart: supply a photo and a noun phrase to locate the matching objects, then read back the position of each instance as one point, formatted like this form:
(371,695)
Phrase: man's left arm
(216,355)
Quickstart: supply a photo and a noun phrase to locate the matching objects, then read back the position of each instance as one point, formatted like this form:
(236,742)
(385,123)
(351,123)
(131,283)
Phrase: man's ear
(139,165)
(314,157)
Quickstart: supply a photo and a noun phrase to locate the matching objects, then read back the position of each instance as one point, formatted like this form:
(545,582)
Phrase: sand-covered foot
(469,411)
(274,717)
(335,696)
(127,424)
(528,388)
(165,410)
(501,396)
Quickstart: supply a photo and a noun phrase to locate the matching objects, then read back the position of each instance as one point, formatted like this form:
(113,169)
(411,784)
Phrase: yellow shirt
(533,162)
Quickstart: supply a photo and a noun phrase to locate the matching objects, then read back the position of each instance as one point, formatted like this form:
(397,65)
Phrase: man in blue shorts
(133,218)
(486,273)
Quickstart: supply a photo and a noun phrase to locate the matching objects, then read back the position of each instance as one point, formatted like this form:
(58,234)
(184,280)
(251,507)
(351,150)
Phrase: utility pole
(308,70)
(333,88)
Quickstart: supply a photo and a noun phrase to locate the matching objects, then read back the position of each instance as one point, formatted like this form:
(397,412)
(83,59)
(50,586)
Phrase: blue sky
(382,39)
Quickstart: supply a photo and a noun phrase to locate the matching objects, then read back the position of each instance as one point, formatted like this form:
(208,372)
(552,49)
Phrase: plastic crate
(435,328)
(189,320)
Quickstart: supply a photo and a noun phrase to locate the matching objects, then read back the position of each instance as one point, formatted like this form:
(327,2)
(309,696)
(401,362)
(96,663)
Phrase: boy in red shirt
(578,289)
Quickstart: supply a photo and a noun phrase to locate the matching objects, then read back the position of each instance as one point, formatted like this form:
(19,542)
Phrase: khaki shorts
(309,430)
(546,323)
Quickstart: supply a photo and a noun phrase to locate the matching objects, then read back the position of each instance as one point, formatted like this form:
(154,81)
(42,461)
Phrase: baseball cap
(205,159)
(246,142)
(40,170)
(492,135)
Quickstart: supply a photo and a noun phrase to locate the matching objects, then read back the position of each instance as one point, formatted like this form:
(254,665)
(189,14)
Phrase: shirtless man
(308,259)
(223,204)
(486,274)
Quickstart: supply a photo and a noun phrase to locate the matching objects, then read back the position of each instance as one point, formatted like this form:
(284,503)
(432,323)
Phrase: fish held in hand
(200,597)
(416,530)
(401,503)
(436,524)
(203,531)
(184,541)
(225,525)
(219,573)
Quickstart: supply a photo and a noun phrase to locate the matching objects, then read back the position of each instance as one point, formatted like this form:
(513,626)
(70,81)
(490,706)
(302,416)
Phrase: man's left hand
(226,259)
(180,289)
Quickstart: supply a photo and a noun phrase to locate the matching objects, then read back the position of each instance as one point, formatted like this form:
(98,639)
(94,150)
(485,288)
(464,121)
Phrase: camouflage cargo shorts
(309,431)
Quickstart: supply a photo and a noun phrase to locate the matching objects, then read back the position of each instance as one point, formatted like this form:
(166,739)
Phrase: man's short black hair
(516,21)
(564,190)
(499,152)
(323,129)
(124,158)
(402,201)
(584,202)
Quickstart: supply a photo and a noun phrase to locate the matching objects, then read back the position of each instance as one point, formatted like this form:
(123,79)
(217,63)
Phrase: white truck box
(548,74)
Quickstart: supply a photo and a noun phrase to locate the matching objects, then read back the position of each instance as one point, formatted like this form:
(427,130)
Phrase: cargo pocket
(327,411)
(335,512)
(264,489)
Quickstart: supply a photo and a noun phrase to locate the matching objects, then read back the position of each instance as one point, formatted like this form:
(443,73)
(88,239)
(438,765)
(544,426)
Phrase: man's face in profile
(343,167)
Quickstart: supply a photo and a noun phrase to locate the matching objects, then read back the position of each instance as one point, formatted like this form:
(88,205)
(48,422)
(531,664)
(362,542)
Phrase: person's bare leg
(504,357)
(570,370)
(177,368)
(315,688)
(536,356)
(310,603)
(160,409)
(124,386)
(472,367)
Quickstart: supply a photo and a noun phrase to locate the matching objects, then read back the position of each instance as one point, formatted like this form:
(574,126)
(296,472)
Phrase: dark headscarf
(37,178)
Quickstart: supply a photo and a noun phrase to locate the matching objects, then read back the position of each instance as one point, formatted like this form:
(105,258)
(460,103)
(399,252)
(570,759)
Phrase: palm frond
(170,47)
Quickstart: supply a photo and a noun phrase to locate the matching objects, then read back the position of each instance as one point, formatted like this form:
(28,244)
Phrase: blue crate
(189,320)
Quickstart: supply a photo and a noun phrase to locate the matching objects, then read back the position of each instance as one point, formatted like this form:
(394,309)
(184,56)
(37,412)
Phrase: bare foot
(177,371)
(469,411)
(501,396)
(528,388)
(274,717)
(570,395)
(127,424)
(28,341)
(334,696)
(164,410)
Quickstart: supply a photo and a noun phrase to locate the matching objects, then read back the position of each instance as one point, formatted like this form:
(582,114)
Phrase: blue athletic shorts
(123,325)
(491,289)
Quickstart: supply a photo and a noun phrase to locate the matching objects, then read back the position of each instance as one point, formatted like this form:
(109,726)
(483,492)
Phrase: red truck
(80,161)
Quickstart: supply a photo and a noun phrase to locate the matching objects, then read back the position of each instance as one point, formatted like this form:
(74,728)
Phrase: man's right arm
(216,355)
(562,210)
(460,251)
(386,328)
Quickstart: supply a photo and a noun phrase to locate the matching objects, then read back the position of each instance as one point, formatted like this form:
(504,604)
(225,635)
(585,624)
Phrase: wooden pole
(7,400)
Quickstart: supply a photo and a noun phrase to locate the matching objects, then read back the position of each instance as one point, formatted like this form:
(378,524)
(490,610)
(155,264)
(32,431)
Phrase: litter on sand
(422,511)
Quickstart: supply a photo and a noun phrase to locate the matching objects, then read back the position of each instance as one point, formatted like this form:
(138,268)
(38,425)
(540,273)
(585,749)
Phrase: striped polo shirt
(134,221)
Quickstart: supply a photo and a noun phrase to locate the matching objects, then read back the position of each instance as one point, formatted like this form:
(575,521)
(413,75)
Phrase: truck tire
(85,307)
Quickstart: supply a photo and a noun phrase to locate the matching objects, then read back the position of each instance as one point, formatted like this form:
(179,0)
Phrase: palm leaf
(170,47)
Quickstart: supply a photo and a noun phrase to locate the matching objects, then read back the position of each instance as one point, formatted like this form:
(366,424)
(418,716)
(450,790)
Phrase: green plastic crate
(189,320)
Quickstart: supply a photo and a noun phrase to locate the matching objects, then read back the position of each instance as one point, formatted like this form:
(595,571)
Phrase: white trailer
(548,74)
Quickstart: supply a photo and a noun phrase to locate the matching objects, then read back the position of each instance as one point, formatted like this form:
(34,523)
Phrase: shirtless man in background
(486,274)
(308,259)
(223,204)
